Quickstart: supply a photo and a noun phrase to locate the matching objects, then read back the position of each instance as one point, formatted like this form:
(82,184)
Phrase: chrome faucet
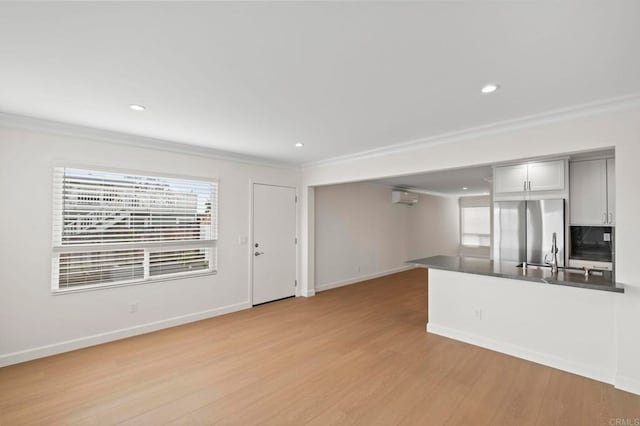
(554,255)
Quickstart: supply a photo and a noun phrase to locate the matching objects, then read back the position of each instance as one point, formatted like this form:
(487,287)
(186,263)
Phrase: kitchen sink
(572,270)
(536,266)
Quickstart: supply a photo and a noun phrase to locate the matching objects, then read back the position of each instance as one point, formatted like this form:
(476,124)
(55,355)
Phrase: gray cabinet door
(510,179)
(588,192)
(546,176)
(611,191)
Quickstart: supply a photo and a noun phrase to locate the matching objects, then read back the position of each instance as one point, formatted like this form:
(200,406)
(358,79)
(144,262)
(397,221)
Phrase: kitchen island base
(568,328)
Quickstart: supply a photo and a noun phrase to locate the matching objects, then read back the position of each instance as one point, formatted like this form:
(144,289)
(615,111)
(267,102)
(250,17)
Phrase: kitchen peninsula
(555,320)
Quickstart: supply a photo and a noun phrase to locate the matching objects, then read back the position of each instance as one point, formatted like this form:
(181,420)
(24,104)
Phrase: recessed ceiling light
(489,88)
(299,145)
(464,188)
(137,107)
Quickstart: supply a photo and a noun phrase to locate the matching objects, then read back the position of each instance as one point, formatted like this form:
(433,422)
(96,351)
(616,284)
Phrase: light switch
(606,236)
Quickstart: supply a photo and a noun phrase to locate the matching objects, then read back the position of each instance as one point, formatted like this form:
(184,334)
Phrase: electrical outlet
(478,313)
(133,307)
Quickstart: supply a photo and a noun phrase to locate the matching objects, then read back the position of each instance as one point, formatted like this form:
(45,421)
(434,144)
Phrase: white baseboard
(360,278)
(109,336)
(627,384)
(592,372)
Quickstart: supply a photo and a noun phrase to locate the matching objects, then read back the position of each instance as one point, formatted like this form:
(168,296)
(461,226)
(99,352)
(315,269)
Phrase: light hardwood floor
(353,355)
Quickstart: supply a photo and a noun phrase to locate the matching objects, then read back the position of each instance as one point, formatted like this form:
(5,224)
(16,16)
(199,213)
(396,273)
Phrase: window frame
(147,247)
(471,202)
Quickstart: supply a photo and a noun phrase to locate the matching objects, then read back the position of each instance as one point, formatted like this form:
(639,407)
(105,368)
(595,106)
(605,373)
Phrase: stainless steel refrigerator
(522,230)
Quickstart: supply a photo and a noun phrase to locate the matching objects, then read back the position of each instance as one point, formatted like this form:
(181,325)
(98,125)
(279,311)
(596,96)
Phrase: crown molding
(101,135)
(620,103)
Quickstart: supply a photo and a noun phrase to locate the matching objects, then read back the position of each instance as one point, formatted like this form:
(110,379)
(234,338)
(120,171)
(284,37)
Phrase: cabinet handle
(529,185)
(525,185)
(610,218)
(604,218)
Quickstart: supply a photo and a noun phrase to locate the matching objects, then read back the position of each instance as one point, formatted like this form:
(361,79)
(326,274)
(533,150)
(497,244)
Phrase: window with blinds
(112,228)
(475,221)
(476,226)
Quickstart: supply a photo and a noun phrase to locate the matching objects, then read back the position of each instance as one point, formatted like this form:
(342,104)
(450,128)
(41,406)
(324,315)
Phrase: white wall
(33,322)
(361,234)
(433,227)
(580,130)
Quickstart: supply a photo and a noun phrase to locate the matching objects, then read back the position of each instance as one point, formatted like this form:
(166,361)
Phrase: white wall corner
(307,240)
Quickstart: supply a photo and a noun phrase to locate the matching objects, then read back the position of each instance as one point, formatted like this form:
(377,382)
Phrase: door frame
(251,242)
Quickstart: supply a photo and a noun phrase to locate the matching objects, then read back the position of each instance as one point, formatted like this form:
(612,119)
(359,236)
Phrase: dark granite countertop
(479,266)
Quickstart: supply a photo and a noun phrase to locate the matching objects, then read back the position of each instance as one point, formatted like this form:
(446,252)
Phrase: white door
(546,176)
(588,192)
(274,242)
(510,179)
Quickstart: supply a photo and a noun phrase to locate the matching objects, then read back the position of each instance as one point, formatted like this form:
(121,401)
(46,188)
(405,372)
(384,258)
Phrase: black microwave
(594,243)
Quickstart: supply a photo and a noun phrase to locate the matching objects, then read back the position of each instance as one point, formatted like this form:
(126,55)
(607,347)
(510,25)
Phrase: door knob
(258,253)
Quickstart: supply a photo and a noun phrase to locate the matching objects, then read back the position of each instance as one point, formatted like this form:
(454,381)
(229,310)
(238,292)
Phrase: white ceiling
(255,78)
(446,182)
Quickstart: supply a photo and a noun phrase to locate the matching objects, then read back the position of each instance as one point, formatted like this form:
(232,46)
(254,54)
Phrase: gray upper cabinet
(523,179)
(592,192)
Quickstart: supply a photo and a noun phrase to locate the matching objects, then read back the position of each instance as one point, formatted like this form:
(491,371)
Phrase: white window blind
(113,228)
(476,227)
